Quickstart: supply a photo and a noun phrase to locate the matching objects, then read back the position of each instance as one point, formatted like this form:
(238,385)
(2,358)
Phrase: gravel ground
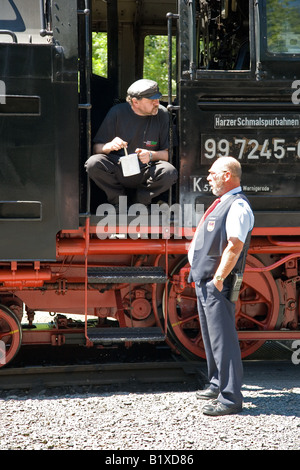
(155,418)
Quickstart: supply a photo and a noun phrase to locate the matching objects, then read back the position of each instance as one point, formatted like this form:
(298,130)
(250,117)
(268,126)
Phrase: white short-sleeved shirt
(240,218)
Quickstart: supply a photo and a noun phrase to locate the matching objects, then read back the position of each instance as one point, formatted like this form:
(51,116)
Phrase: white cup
(130,164)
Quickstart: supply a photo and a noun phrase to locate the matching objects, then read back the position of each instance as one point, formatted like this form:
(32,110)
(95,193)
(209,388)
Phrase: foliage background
(155,59)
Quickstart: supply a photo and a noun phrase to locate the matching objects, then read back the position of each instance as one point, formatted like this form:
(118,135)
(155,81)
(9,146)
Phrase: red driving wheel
(10,335)
(258,305)
(256,309)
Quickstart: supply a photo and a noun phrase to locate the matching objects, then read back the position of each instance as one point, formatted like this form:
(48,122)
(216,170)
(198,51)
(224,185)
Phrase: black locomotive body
(237,93)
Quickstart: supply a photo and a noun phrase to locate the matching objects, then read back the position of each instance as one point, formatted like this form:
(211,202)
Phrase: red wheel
(256,309)
(183,321)
(258,305)
(10,335)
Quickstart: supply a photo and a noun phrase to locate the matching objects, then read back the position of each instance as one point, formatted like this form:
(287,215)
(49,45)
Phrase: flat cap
(144,88)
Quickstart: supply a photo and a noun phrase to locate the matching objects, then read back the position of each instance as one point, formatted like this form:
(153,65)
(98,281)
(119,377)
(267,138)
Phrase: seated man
(141,126)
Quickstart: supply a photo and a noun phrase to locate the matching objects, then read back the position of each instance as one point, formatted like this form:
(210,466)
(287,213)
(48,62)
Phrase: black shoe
(219,409)
(207,394)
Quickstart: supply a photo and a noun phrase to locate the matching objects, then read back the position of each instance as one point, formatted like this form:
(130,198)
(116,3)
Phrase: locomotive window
(223,35)
(283,19)
(156,61)
(99,54)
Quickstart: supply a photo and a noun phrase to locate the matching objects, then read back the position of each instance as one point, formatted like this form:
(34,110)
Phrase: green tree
(155,65)
(283,26)
(99,54)
(156,61)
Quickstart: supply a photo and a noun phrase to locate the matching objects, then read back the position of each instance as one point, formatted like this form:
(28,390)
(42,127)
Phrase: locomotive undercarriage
(144,297)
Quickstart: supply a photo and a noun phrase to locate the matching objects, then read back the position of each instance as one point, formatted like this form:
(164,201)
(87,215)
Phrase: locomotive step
(121,335)
(131,274)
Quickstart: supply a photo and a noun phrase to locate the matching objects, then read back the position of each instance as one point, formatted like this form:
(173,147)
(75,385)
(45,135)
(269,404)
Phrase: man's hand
(218,284)
(144,155)
(112,146)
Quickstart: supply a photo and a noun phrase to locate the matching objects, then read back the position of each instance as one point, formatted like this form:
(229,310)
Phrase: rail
(100,374)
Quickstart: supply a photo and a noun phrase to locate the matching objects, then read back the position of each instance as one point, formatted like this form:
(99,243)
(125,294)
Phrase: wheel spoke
(252,319)
(8,333)
(181,321)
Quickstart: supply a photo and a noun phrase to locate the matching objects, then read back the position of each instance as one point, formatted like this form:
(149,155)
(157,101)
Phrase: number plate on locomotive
(269,137)
(256,148)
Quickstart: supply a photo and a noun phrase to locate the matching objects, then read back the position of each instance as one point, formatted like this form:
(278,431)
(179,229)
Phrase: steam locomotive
(237,93)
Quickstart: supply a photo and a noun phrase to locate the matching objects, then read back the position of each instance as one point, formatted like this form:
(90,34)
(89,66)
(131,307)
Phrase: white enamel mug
(130,164)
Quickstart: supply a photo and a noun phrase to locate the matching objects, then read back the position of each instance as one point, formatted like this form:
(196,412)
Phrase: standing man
(141,125)
(218,248)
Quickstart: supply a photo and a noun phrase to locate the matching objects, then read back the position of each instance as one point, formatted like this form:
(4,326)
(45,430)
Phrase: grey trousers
(223,355)
(153,180)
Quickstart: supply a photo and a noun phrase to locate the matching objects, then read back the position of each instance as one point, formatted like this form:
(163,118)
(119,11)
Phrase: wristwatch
(219,278)
(150,156)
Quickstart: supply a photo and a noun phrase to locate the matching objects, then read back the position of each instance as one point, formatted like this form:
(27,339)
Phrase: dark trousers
(223,355)
(153,180)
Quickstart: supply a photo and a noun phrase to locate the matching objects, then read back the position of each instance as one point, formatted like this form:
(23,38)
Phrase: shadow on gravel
(272,402)
(271,388)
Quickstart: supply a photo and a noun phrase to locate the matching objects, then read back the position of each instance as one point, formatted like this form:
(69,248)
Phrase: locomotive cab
(236,98)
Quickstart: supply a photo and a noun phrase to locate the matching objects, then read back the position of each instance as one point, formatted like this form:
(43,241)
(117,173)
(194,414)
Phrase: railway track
(79,367)
(100,374)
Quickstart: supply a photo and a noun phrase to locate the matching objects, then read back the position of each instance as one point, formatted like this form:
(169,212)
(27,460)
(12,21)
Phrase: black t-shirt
(147,132)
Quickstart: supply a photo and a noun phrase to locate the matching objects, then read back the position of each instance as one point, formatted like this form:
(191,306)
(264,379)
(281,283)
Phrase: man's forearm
(228,261)
(99,148)
(113,146)
(161,155)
